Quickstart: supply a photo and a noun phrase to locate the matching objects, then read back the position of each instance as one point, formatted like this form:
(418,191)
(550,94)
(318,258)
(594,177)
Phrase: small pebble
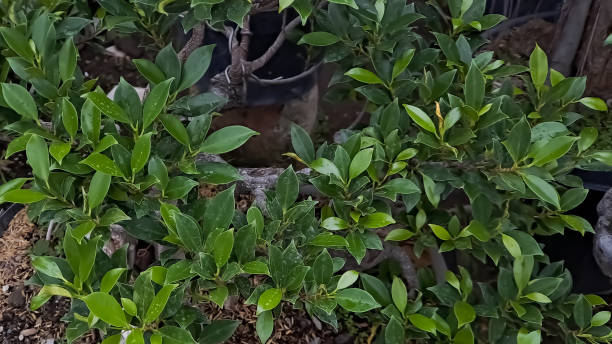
(20,337)
(5,288)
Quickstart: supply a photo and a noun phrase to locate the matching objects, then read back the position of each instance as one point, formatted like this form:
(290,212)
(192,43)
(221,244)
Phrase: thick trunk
(593,59)
(568,36)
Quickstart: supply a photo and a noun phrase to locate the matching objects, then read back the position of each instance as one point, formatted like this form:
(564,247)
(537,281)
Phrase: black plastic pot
(574,249)
(7,214)
(289,61)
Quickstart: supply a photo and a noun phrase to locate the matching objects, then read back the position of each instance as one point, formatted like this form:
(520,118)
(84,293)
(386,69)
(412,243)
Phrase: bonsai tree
(448,121)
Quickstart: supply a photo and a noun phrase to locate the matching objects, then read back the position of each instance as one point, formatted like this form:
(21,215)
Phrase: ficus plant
(463,153)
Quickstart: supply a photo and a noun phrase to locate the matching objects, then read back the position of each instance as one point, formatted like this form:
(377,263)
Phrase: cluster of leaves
(446,119)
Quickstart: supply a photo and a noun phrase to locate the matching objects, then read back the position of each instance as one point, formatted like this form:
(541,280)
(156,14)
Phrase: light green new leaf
(347,279)
(400,65)
(553,150)
(538,66)
(364,76)
(420,118)
(59,150)
(422,323)
(464,312)
(106,308)
(269,299)
(594,103)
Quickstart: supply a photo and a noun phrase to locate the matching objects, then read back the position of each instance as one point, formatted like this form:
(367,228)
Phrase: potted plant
(462,154)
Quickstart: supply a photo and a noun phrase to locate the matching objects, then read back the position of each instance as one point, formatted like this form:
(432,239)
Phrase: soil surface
(18,324)
(109,64)
(515,45)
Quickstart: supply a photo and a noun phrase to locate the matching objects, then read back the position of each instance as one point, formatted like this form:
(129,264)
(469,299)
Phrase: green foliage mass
(447,119)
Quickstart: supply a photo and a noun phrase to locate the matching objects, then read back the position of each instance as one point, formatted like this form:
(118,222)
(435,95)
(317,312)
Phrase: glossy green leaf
(108,107)
(158,303)
(196,65)
(594,103)
(106,308)
(67,59)
(176,128)
(223,247)
(140,153)
(542,189)
(360,162)
(319,38)
(20,100)
(364,76)
(226,139)
(265,326)
(420,118)
(38,157)
(22,196)
(356,300)
(98,188)
(269,299)
(102,163)
(155,102)
(464,313)
(538,66)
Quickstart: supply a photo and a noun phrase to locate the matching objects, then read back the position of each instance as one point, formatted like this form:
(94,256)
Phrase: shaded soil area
(515,45)
(110,64)
(13,167)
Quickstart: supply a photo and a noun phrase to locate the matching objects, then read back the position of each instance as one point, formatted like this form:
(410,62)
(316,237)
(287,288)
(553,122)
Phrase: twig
(283,81)
(50,230)
(196,39)
(359,117)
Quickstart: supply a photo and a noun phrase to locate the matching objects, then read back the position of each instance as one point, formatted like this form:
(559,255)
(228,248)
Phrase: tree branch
(278,42)
(196,39)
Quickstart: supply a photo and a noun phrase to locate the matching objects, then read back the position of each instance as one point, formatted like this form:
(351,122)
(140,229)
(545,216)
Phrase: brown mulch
(294,327)
(243,201)
(18,324)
